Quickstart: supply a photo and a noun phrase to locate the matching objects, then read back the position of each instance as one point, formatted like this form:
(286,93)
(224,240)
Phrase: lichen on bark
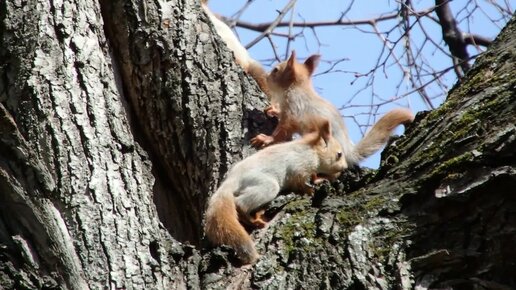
(100,100)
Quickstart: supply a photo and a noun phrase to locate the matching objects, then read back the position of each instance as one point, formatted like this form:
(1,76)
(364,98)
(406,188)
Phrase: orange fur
(222,228)
(256,71)
(291,85)
(381,131)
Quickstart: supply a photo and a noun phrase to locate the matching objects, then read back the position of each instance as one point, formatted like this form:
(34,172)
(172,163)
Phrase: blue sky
(361,48)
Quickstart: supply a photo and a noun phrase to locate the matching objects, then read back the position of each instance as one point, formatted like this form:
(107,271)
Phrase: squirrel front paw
(271,111)
(261,140)
(318,179)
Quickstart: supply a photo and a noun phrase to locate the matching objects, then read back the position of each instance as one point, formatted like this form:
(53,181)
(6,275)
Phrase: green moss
(296,205)
(473,119)
(376,202)
(477,116)
(425,156)
(441,110)
(300,227)
(384,241)
(351,216)
(451,164)
(296,227)
(454,176)
(366,207)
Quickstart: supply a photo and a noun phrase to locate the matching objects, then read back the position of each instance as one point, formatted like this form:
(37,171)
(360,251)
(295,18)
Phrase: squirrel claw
(318,180)
(309,184)
(261,141)
(310,187)
(271,111)
(312,182)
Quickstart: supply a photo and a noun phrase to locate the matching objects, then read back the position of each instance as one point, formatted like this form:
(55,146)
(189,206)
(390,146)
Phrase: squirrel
(256,180)
(291,85)
(242,57)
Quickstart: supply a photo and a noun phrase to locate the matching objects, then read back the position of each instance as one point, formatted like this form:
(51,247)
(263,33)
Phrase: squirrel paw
(317,179)
(261,140)
(309,188)
(271,111)
(257,220)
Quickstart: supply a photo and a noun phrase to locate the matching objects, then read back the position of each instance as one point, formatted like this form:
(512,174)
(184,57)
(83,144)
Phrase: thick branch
(452,35)
(475,39)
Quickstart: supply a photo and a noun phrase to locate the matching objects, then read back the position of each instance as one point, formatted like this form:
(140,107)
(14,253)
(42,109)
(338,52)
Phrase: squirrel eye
(275,70)
(339,155)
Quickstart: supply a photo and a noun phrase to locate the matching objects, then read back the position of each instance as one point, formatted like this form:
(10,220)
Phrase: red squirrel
(255,181)
(290,84)
(242,58)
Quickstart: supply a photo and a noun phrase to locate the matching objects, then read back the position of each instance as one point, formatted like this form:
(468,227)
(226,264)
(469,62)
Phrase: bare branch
(474,39)
(453,36)
(264,27)
(273,24)
(406,54)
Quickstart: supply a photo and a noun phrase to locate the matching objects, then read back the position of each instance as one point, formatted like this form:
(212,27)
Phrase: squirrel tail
(223,228)
(380,133)
(242,57)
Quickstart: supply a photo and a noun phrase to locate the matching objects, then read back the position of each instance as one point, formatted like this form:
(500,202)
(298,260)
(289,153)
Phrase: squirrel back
(290,83)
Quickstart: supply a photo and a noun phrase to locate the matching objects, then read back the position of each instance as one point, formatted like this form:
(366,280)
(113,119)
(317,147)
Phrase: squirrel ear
(325,131)
(312,62)
(290,69)
(292,59)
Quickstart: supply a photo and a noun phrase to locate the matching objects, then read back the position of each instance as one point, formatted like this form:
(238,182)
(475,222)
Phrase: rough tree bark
(118,118)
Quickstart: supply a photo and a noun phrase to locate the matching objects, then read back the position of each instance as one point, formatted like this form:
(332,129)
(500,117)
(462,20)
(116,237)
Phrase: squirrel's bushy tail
(380,133)
(223,228)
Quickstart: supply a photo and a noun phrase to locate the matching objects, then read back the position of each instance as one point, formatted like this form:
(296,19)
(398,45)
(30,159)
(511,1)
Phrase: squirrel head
(329,151)
(291,72)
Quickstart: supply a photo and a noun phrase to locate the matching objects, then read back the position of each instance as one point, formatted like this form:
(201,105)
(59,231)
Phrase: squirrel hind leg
(253,197)
(256,220)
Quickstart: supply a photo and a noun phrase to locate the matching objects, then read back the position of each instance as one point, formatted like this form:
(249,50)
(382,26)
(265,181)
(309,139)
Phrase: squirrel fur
(242,57)
(255,181)
(290,84)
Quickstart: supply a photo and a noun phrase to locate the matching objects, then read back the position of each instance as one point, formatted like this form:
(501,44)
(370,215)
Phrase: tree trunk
(119,118)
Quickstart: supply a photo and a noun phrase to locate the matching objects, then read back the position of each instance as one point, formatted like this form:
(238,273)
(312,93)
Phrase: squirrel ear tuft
(312,62)
(290,69)
(292,59)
